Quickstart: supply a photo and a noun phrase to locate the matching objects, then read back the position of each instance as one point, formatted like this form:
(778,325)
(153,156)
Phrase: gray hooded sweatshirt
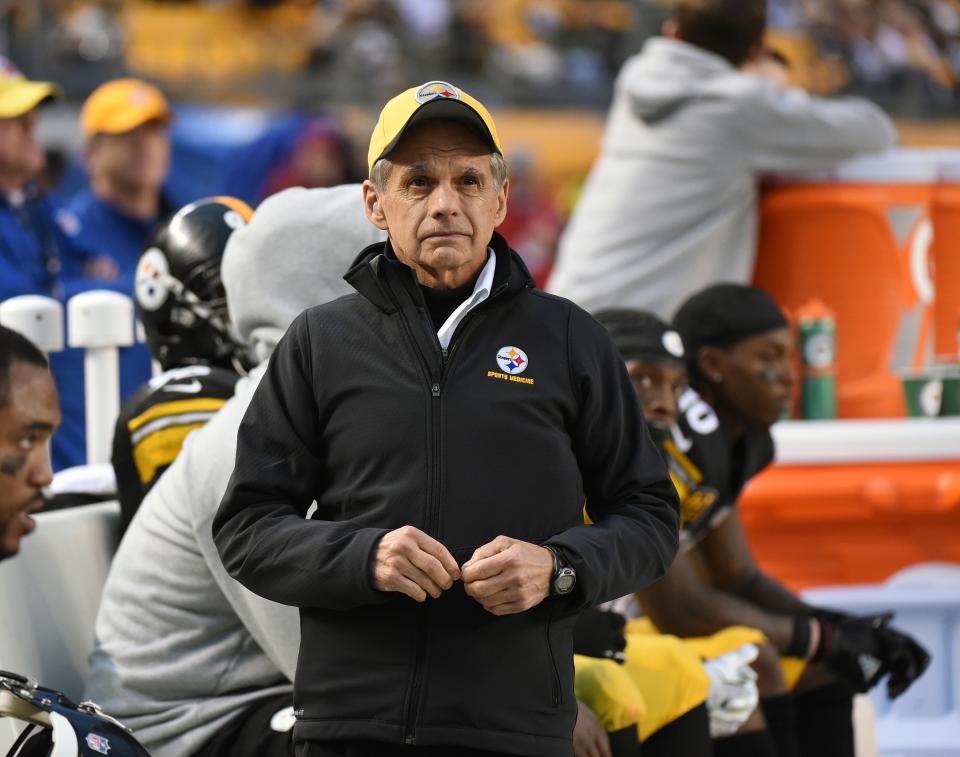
(181,648)
(670,204)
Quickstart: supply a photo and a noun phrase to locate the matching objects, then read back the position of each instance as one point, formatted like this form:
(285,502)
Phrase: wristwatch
(564,577)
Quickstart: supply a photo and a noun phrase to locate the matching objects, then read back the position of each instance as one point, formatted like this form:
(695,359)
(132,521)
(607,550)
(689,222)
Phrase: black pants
(251,734)
(381,749)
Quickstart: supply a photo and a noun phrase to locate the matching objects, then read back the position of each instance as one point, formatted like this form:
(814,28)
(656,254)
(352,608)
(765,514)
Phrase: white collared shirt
(481,290)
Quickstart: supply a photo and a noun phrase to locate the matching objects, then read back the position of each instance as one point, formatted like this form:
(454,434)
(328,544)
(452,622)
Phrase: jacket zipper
(555,687)
(414,705)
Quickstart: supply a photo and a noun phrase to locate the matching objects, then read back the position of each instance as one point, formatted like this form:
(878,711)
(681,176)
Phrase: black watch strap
(564,577)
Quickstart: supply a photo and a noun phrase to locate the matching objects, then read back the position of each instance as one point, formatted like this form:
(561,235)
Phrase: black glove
(599,633)
(852,650)
(903,657)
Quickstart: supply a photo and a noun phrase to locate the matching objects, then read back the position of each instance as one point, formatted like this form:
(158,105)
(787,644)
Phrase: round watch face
(565,581)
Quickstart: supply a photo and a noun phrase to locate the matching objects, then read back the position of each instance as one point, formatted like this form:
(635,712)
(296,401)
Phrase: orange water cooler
(946,261)
(861,242)
(879,243)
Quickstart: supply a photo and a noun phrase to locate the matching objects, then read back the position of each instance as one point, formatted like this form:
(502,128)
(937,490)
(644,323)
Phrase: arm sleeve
(629,496)
(130,491)
(788,129)
(260,529)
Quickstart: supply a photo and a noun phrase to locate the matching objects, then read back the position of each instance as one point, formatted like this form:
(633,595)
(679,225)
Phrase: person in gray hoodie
(188,658)
(670,204)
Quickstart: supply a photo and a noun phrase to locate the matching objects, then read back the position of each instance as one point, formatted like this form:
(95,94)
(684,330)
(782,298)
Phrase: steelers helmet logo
(150,280)
(672,343)
(512,360)
(433,90)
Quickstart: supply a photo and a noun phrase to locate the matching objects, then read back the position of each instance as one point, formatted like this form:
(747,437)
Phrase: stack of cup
(932,392)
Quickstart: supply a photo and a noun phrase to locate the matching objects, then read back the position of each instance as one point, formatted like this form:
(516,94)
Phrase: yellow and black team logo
(696,501)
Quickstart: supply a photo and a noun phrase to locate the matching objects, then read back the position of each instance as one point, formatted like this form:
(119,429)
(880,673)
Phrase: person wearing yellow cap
(448,420)
(36,254)
(31,242)
(127,157)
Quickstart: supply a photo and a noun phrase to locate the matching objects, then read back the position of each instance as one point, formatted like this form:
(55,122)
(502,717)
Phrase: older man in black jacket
(449,421)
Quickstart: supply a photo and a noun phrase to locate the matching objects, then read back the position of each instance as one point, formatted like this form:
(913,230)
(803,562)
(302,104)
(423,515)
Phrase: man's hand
(508,576)
(903,658)
(101,267)
(589,739)
(410,562)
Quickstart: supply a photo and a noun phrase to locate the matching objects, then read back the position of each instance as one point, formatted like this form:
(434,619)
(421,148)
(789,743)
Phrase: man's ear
(502,203)
(372,206)
(670,29)
(711,362)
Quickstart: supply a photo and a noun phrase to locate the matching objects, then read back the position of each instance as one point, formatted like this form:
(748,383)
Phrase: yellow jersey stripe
(176,407)
(160,449)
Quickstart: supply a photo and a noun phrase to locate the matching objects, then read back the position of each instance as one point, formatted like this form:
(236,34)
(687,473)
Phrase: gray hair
(380,172)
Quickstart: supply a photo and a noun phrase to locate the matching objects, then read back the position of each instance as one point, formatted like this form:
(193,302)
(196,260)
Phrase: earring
(716,378)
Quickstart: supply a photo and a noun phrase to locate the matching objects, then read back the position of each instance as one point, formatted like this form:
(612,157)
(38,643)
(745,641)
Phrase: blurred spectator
(321,157)
(28,416)
(33,249)
(670,204)
(36,254)
(128,157)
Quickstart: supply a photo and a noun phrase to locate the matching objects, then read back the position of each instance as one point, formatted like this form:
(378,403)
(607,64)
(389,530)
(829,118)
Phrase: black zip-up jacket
(361,411)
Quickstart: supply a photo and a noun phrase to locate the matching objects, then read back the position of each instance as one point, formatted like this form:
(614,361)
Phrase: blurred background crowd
(528,52)
(277,93)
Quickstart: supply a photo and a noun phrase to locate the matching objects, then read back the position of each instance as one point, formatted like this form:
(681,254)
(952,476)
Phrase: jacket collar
(376,268)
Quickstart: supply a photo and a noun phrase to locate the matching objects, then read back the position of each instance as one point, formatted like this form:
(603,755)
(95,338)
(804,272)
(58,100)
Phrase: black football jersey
(154,422)
(707,470)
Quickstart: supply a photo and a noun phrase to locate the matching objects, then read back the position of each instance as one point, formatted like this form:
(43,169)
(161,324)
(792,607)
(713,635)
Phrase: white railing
(98,321)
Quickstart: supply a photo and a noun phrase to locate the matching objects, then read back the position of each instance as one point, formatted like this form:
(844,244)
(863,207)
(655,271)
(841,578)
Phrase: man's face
(20,154)
(441,204)
(26,423)
(758,376)
(658,384)
(137,158)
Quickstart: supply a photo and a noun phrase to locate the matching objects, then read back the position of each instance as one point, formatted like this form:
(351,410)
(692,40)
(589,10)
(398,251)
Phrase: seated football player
(183,307)
(736,347)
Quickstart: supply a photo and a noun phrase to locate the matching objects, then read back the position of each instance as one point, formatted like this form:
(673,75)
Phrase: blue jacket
(41,254)
(103,230)
(99,229)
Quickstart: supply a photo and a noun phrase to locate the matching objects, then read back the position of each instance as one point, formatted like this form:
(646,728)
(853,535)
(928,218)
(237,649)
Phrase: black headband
(724,314)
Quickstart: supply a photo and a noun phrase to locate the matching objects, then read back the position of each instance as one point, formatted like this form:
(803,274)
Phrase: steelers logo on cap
(672,343)
(434,90)
(150,280)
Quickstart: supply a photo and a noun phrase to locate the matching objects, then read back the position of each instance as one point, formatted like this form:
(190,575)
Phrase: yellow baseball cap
(122,105)
(433,100)
(19,95)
